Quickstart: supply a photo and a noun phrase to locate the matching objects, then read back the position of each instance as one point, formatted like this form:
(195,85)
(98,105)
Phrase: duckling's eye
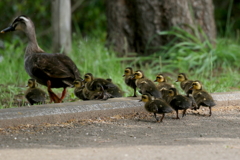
(179,76)
(85,76)
(126,71)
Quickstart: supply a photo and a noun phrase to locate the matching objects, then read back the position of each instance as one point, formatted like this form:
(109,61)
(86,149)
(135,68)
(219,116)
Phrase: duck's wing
(53,65)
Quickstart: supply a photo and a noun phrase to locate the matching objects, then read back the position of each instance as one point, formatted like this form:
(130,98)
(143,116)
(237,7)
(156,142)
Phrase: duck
(106,87)
(163,86)
(146,85)
(84,94)
(185,83)
(156,106)
(79,90)
(180,102)
(33,94)
(128,74)
(202,97)
(52,70)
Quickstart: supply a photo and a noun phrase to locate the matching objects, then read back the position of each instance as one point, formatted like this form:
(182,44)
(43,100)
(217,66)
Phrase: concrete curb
(57,113)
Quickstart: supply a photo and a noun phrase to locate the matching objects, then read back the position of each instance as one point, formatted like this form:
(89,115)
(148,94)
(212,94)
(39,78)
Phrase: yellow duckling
(33,94)
(202,97)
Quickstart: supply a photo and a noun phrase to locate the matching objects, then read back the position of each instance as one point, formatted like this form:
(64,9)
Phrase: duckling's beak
(155,80)
(26,86)
(124,75)
(133,77)
(190,88)
(140,100)
(177,81)
(8,29)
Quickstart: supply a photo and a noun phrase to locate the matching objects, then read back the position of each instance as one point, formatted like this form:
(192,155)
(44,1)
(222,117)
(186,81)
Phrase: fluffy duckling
(163,85)
(52,70)
(128,73)
(156,106)
(202,97)
(146,85)
(180,102)
(106,87)
(83,93)
(79,89)
(185,83)
(33,94)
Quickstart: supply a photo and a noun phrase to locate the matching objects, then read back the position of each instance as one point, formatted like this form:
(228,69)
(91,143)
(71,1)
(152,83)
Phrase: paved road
(134,135)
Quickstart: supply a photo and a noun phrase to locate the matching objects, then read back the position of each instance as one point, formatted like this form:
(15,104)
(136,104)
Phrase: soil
(130,136)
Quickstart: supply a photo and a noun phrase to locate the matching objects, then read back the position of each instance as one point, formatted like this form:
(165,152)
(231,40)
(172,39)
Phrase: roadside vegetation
(216,66)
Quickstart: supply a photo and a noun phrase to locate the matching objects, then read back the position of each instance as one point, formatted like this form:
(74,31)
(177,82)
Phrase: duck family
(52,70)
(57,70)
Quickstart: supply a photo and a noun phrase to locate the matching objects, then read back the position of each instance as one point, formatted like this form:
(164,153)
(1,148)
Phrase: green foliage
(12,68)
(90,18)
(91,56)
(216,66)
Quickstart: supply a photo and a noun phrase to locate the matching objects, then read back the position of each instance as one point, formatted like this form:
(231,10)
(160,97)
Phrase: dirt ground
(131,136)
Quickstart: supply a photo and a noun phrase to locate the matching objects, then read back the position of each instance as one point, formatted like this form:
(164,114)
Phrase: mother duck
(52,70)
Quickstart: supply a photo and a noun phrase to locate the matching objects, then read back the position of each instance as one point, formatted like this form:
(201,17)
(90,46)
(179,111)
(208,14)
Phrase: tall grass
(216,66)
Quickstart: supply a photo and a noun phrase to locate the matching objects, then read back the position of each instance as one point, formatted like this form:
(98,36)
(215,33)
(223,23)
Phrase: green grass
(216,66)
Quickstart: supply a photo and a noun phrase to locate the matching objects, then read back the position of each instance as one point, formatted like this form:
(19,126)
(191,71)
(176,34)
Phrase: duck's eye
(126,71)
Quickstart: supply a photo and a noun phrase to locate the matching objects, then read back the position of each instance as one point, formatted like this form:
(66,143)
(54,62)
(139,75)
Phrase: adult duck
(52,70)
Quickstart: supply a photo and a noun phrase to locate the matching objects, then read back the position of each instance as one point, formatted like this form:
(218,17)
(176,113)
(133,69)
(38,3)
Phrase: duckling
(79,90)
(185,83)
(163,86)
(202,97)
(146,85)
(156,106)
(128,73)
(179,102)
(109,79)
(83,93)
(52,70)
(103,85)
(33,94)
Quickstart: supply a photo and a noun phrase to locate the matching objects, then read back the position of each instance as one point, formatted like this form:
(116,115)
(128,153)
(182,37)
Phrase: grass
(216,66)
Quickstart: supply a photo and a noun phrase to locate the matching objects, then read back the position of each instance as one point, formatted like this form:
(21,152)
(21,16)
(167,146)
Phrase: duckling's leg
(134,95)
(162,117)
(176,114)
(184,112)
(52,95)
(155,115)
(210,112)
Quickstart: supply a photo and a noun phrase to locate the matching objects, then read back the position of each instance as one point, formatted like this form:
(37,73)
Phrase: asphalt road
(133,135)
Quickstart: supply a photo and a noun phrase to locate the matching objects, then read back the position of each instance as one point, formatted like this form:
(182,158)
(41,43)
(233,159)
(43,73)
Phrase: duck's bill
(8,29)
